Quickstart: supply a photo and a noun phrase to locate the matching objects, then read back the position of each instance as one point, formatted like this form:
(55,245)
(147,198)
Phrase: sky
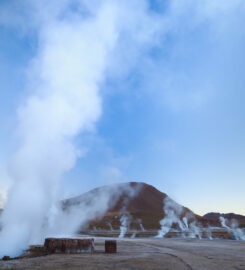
(170,92)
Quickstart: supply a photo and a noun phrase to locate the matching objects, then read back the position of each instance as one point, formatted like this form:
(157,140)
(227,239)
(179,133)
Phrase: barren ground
(150,254)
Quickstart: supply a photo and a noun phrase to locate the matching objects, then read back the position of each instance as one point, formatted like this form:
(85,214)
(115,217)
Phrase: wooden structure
(110,246)
(68,245)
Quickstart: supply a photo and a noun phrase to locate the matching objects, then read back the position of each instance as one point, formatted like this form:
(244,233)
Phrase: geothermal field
(143,229)
(122,136)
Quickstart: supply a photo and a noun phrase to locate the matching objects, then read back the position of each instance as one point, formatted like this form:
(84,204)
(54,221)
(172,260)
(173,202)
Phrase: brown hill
(147,198)
(213,218)
(142,203)
(228,215)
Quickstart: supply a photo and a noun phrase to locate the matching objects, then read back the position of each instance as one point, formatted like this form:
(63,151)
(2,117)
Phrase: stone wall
(68,245)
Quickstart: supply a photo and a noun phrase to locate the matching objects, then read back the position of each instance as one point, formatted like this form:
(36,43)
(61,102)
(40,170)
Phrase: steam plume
(173,213)
(141,225)
(236,232)
(125,223)
(77,49)
(110,226)
(69,66)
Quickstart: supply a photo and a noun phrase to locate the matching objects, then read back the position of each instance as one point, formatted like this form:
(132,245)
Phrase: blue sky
(172,106)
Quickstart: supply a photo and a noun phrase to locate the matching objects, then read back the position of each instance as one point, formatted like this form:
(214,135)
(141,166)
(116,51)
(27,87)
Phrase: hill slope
(140,202)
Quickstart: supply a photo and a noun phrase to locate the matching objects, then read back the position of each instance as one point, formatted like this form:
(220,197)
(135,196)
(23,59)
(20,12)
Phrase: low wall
(68,245)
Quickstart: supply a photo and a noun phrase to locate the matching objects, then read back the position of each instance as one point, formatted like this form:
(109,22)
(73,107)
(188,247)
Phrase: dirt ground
(148,254)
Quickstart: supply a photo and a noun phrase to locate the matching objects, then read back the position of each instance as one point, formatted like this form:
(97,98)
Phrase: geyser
(67,71)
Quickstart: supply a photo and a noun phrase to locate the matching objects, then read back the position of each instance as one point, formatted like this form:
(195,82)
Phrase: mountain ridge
(145,205)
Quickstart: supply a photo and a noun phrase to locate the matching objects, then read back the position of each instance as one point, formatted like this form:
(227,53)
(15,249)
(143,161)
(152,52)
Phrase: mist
(64,78)
(69,66)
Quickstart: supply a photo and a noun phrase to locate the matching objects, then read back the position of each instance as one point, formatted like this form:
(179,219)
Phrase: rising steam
(175,218)
(233,229)
(69,66)
(172,212)
(141,225)
(186,224)
(125,223)
(78,48)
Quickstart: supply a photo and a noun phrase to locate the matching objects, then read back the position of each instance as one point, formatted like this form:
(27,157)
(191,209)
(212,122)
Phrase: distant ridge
(213,218)
(228,215)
